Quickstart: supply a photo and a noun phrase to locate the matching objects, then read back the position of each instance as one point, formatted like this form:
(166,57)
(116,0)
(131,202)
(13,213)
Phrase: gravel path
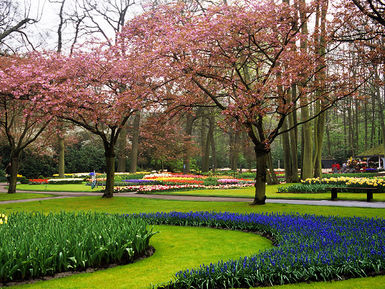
(61,195)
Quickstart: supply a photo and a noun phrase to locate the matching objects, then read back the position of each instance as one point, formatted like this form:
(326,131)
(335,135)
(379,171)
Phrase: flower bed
(36,245)
(162,188)
(37,181)
(66,181)
(378,183)
(309,248)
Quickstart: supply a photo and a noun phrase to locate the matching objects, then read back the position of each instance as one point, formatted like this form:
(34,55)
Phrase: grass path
(176,248)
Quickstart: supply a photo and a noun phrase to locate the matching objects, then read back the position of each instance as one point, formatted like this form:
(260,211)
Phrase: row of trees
(259,63)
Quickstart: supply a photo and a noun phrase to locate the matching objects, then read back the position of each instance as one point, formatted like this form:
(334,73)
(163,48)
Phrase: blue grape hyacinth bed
(308,248)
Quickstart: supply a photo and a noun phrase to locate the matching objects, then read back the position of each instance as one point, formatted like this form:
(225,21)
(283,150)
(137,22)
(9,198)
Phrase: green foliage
(307,188)
(32,165)
(246,175)
(2,173)
(210,181)
(35,245)
(23,180)
(122,177)
(85,158)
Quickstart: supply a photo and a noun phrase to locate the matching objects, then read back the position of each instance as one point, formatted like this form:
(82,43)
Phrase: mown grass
(58,188)
(173,243)
(138,205)
(271,192)
(22,196)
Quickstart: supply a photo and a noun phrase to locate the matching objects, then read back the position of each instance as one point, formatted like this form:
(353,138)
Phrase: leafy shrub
(309,248)
(121,177)
(23,180)
(35,245)
(86,157)
(246,175)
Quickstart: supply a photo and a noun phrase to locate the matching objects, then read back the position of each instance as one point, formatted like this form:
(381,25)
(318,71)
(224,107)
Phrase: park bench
(369,191)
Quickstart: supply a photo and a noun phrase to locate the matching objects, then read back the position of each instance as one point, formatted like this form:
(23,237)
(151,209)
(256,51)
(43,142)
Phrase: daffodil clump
(349,182)
(3,219)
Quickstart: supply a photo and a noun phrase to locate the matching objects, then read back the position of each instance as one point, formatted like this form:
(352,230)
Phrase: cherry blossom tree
(23,115)
(245,60)
(99,91)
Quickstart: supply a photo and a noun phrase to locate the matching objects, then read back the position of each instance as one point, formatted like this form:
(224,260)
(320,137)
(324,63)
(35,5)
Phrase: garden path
(338,203)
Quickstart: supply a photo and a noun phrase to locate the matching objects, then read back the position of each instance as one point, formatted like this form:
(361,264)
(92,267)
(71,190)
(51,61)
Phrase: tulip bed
(318,185)
(37,245)
(175,182)
(142,189)
(308,248)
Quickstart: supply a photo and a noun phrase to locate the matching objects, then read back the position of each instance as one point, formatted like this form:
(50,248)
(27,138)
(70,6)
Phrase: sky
(43,34)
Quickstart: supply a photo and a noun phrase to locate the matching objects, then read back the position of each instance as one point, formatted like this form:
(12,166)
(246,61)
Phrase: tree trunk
(307,153)
(287,154)
(188,133)
(122,150)
(272,180)
(260,178)
(202,142)
(366,116)
(135,143)
(320,79)
(61,163)
(110,170)
(294,140)
(318,136)
(212,142)
(234,150)
(206,153)
(372,132)
(15,158)
(381,114)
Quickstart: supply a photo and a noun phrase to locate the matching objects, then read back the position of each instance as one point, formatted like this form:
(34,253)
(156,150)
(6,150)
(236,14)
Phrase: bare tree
(374,9)
(105,18)
(14,19)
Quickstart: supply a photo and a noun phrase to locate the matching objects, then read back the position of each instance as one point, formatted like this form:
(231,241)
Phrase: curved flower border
(308,248)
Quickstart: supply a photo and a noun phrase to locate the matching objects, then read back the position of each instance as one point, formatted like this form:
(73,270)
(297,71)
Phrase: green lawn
(57,188)
(182,247)
(271,192)
(138,205)
(21,196)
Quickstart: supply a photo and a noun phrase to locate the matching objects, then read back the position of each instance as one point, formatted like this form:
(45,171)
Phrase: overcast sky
(45,31)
